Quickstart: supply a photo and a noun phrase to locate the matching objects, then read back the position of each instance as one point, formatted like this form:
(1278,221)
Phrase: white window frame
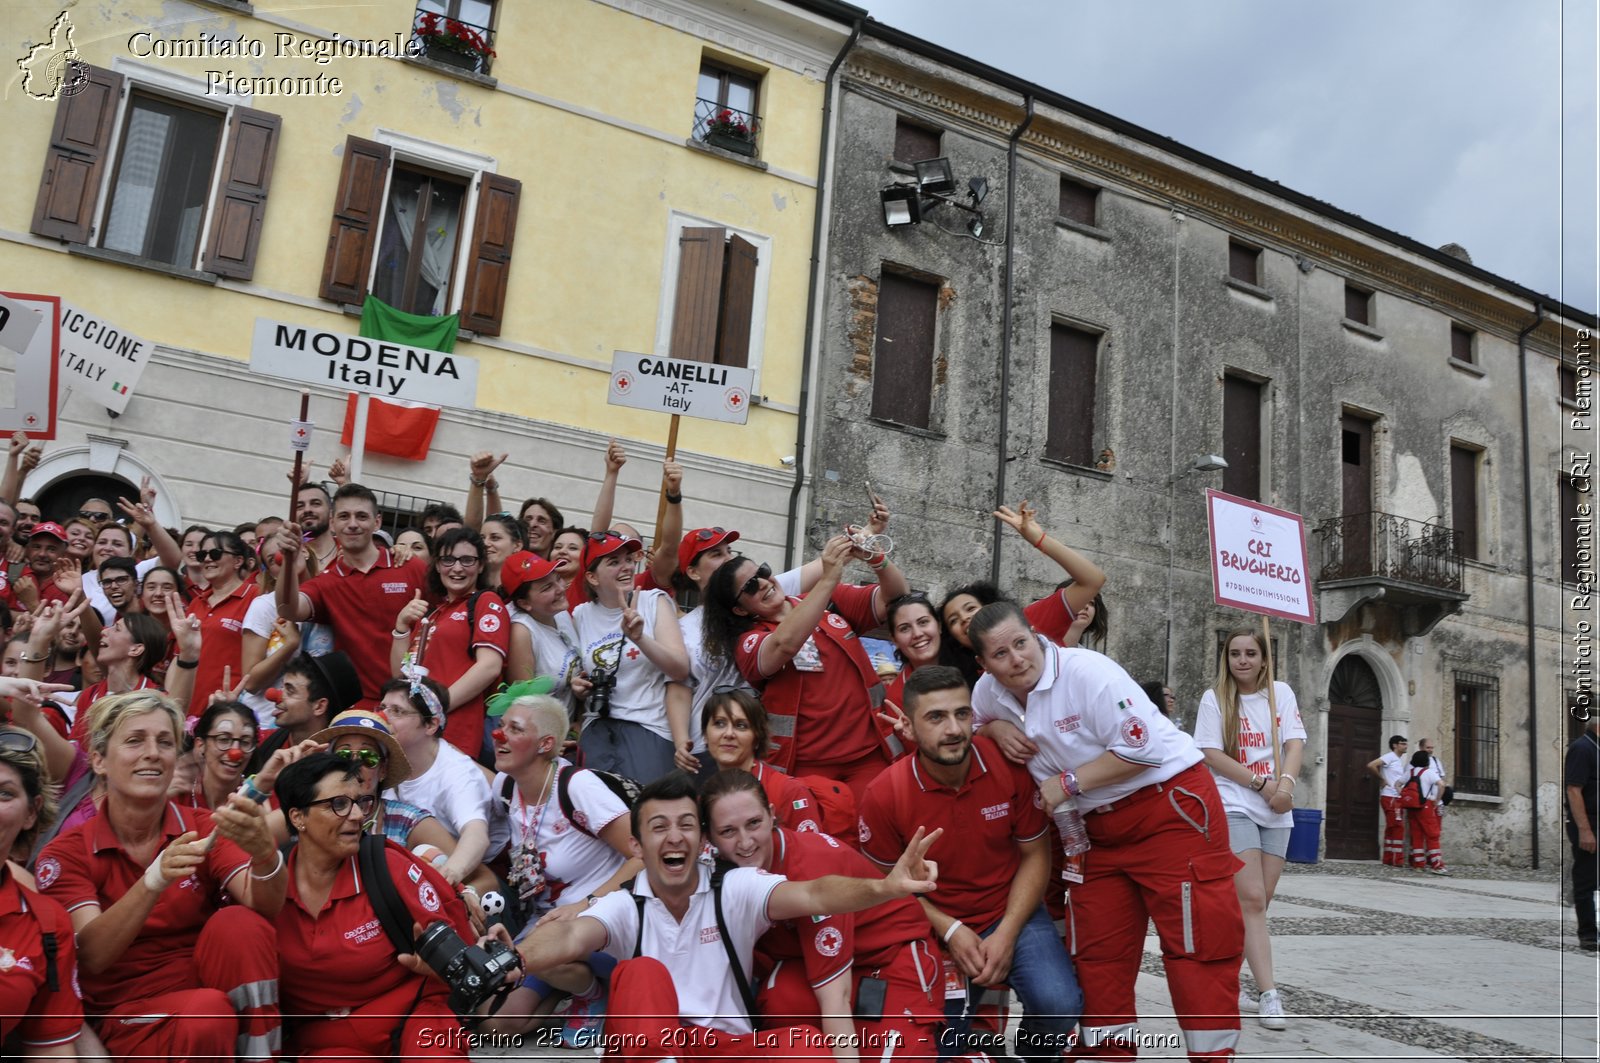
(677,221)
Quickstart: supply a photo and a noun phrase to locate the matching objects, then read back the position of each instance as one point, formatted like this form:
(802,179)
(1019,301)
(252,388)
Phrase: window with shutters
(717,284)
(1357,305)
(902,359)
(1080,202)
(1567,383)
(1464,461)
(1074,356)
(1244,262)
(424,229)
(150,168)
(1463,345)
(1241,436)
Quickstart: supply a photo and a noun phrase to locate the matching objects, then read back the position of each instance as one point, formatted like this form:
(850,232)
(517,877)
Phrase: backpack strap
(638,940)
(739,977)
(564,798)
(386,903)
(472,614)
(69,801)
(47,936)
(507,786)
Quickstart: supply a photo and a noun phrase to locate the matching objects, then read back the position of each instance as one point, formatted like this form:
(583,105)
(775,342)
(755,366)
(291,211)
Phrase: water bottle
(1069,824)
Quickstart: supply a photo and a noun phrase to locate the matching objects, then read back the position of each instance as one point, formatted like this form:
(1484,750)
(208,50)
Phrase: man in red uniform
(47,544)
(994,860)
(361,592)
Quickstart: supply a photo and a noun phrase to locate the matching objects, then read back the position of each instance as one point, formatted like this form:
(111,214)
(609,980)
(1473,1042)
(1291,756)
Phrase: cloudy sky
(1470,121)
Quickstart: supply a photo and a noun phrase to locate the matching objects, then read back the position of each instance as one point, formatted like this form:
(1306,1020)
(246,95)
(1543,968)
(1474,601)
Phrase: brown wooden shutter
(356,207)
(1241,437)
(1072,395)
(70,186)
(1079,201)
(1244,263)
(242,198)
(489,268)
(914,143)
(694,315)
(1464,499)
(1357,305)
(1461,343)
(902,361)
(738,303)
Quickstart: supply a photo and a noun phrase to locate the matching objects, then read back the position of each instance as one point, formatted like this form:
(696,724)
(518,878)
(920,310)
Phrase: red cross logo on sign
(622,383)
(32,420)
(735,399)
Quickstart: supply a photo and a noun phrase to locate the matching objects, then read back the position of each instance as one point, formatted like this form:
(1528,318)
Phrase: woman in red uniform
(224,738)
(881,962)
(38,1002)
(338,969)
(819,687)
(220,608)
(734,723)
(467,636)
(174,953)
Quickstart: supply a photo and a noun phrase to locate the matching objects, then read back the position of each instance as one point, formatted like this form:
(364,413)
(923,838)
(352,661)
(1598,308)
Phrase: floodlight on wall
(1209,463)
(935,184)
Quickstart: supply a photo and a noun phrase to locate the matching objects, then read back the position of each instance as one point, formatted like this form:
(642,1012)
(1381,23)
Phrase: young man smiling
(680,965)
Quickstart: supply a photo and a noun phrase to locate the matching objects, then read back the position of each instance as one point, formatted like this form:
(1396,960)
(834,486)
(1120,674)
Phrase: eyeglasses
(370,758)
(216,553)
(753,584)
(15,741)
(458,561)
(115,581)
(341,805)
(226,741)
(93,517)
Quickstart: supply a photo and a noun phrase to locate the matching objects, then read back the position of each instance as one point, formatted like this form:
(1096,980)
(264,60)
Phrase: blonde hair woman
(1235,730)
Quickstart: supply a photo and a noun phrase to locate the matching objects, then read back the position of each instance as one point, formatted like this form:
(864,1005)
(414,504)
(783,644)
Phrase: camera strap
(386,903)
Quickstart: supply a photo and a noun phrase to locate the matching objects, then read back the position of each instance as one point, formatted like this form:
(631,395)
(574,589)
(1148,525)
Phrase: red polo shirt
(1050,616)
(87,697)
(221,640)
(834,714)
(829,945)
(996,807)
(86,865)
(452,648)
(27,1007)
(340,957)
(361,608)
(793,804)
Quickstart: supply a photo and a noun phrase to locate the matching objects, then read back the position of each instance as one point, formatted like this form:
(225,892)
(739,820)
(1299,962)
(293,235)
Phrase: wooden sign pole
(661,507)
(299,456)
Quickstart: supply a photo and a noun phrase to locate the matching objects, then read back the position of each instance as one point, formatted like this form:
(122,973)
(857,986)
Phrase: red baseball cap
(50,528)
(605,543)
(521,568)
(698,542)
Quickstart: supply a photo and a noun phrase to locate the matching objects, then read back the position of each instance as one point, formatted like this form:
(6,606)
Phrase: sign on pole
(680,387)
(101,360)
(30,331)
(309,355)
(1258,558)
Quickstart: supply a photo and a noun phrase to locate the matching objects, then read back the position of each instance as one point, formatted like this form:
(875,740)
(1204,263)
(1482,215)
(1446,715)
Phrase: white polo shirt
(692,950)
(1394,769)
(1083,705)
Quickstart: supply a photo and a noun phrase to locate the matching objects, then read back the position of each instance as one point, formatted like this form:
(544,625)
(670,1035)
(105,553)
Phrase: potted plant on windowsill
(730,131)
(444,40)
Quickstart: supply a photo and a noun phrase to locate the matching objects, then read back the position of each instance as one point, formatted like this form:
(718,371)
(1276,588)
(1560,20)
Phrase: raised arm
(26,698)
(605,503)
(292,602)
(143,515)
(780,647)
(480,474)
(912,874)
(665,562)
(1087,577)
(22,456)
(665,648)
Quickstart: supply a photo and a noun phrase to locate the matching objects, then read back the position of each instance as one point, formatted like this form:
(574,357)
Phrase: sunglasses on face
(93,517)
(224,741)
(369,758)
(216,553)
(341,805)
(753,584)
(453,561)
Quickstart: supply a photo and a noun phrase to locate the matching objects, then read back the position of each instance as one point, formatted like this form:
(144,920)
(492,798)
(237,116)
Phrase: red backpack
(836,807)
(1411,790)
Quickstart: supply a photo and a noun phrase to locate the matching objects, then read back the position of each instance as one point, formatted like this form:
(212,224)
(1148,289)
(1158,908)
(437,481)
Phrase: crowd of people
(255,781)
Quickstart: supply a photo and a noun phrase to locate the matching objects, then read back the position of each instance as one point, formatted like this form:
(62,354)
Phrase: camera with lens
(473,974)
(602,682)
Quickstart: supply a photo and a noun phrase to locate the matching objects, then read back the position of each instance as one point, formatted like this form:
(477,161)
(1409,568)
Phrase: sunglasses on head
(370,758)
(216,553)
(707,534)
(602,536)
(753,584)
(15,741)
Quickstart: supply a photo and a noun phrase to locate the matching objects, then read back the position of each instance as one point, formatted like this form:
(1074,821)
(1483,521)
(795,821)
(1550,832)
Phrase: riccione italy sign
(393,370)
(1258,558)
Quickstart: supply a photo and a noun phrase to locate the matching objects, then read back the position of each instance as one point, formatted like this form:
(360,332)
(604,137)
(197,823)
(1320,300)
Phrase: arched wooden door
(1351,820)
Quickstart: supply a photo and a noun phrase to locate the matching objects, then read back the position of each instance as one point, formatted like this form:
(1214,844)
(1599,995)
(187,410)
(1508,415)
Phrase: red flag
(395,427)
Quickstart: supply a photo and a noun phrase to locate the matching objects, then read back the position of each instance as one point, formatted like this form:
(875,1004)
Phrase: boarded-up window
(1464,498)
(1080,202)
(914,143)
(168,195)
(1461,344)
(1357,305)
(1072,395)
(1244,262)
(902,362)
(1576,529)
(1567,382)
(1241,437)
(715,297)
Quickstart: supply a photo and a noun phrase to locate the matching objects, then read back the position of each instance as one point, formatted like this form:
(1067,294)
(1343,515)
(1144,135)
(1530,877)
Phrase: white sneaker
(1246,1001)
(1270,1009)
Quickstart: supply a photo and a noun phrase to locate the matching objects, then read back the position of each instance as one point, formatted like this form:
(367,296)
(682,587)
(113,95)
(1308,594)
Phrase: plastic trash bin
(1306,835)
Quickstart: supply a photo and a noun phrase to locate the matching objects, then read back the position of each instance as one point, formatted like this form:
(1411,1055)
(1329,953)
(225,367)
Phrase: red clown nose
(234,755)
(274,695)
(498,735)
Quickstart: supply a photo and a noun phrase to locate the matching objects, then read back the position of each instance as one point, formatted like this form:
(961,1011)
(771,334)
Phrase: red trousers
(1394,832)
(642,1024)
(428,1029)
(1425,850)
(232,1013)
(1160,854)
(913,1010)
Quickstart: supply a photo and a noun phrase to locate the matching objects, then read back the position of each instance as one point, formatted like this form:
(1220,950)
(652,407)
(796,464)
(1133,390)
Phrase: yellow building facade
(180,170)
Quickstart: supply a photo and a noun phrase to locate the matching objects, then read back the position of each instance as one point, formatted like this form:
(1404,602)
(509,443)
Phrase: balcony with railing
(1414,567)
(452,42)
(727,128)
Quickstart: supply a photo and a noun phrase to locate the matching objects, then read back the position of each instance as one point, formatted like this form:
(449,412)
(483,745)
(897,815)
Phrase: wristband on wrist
(1041,539)
(277,867)
(254,792)
(1069,784)
(398,634)
(477,482)
(877,561)
(181,663)
(672,499)
(951,932)
(32,659)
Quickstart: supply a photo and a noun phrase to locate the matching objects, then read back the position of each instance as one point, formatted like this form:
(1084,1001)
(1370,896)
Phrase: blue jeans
(1045,983)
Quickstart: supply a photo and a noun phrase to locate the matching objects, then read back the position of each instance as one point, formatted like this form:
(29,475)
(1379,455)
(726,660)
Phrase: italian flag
(395,427)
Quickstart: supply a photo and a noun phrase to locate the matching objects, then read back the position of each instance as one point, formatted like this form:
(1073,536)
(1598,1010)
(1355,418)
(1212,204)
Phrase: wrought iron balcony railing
(451,41)
(1386,546)
(725,127)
